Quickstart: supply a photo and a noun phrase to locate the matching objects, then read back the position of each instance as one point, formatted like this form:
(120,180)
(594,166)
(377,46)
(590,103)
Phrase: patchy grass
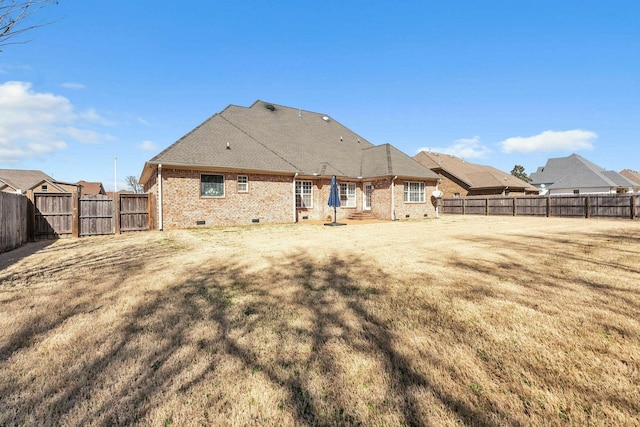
(462,320)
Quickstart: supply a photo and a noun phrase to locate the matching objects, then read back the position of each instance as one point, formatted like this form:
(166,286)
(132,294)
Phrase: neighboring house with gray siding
(576,175)
(269,163)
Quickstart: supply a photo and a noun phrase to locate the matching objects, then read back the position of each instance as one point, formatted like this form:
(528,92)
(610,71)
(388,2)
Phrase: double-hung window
(243,184)
(414,192)
(348,195)
(304,194)
(211,185)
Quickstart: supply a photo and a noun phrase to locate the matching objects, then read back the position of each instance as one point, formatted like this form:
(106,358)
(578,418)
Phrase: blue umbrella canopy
(334,193)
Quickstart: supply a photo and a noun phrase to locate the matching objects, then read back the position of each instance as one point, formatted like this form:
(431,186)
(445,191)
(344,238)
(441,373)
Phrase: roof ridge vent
(270,107)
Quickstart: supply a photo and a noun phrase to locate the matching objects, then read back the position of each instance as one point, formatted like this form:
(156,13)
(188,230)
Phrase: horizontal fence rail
(570,206)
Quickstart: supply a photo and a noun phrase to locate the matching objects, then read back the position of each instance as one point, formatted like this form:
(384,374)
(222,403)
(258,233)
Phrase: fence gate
(96,216)
(134,212)
(53,215)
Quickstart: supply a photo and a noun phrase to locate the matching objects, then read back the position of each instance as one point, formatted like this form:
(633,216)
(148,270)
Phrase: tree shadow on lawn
(525,271)
(282,324)
(15,255)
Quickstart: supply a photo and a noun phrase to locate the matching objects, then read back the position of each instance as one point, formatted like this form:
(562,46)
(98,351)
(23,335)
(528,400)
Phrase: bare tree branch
(14,17)
(133,184)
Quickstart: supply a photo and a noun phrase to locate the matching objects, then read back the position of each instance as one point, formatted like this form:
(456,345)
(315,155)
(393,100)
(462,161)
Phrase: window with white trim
(44,188)
(243,184)
(414,192)
(348,195)
(304,194)
(211,185)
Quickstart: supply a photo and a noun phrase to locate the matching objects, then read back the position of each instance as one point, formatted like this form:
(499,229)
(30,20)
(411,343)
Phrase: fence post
(116,213)
(634,209)
(587,206)
(486,206)
(75,217)
(463,206)
(31,217)
(548,206)
(515,206)
(150,204)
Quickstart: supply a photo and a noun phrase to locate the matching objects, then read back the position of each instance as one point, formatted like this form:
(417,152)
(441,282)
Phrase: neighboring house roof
(631,175)
(273,138)
(472,175)
(23,180)
(577,172)
(91,187)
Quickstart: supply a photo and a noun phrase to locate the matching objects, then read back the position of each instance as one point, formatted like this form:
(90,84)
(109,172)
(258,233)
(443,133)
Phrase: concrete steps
(361,216)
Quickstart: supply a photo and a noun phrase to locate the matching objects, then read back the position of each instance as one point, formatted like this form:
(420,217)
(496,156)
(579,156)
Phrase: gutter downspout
(393,198)
(295,217)
(160,197)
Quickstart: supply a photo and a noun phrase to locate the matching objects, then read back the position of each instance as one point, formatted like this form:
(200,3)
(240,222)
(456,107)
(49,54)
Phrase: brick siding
(270,200)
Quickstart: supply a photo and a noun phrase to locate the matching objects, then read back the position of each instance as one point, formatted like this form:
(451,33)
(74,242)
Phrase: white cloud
(148,146)
(91,115)
(465,148)
(73,86)
(85,136)
(33,123)
(550,140)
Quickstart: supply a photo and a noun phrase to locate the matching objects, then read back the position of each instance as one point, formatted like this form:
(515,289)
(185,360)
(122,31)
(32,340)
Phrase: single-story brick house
(269,163)
(461,178)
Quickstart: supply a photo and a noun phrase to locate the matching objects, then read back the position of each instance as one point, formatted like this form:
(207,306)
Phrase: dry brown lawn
(456,321)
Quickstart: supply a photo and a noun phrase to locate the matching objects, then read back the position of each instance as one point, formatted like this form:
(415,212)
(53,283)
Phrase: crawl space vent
(201,222)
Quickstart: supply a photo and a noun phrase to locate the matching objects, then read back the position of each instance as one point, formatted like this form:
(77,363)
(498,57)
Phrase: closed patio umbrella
(334,200)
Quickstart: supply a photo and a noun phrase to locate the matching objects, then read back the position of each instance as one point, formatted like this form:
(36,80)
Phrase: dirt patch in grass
(461,320)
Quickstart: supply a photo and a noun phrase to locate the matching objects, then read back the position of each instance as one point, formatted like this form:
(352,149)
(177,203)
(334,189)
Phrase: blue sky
(495,82)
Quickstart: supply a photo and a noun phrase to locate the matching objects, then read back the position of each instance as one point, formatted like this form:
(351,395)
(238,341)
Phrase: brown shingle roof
(632,175)
(91,187)
(473,175)
(275,138)
(23,179)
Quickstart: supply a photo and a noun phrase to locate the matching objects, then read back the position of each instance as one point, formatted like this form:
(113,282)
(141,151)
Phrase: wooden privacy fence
(54,215)
(576,206)
(96,216)
(13,220)
(67,215)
